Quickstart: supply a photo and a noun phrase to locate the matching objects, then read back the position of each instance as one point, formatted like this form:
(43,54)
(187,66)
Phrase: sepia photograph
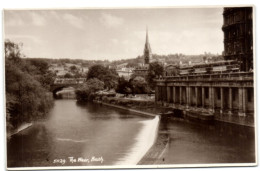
(154,87)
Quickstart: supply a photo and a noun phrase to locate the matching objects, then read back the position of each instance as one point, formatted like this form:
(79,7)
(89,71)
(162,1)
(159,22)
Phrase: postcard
(103,88)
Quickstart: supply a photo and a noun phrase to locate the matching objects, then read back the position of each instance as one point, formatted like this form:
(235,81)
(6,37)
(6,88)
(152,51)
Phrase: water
(206,143)
(145,141)
(66,93)
(116,137)
(89,133)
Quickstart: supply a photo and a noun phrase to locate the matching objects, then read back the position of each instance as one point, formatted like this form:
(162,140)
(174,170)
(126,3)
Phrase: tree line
(26,84)
(101,77)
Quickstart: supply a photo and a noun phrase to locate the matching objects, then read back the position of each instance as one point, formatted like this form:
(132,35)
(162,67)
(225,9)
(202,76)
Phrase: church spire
(147,49)
(147,39)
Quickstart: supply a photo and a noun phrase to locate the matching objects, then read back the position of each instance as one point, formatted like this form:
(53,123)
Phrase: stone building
(205,91)
(207,95)
(238,36)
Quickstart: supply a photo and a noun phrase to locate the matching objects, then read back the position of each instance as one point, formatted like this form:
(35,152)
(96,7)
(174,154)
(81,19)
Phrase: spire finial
(147,34)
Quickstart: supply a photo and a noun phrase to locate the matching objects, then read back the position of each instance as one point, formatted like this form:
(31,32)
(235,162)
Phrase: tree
(41,65)
(68,75)
(13,50)
(111,79)
(39,69)
(123,87)
(47,79)
(73,68)
(139,85)
(94,85)
(26,99)
(85,91)
(108,76)
(96,71)
(155,70)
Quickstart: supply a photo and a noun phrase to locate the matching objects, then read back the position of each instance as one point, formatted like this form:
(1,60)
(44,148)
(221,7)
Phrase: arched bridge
(60,83)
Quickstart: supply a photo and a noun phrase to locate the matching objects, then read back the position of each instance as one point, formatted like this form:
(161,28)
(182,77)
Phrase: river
(94,134)
(90,133)
(212,143)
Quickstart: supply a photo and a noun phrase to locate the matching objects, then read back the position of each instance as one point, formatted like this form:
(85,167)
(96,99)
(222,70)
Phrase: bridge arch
(60,83)
(56,88)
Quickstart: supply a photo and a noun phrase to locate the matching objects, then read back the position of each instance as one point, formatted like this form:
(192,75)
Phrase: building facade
(207,95)
(125,72)
(238,36)
(205,91)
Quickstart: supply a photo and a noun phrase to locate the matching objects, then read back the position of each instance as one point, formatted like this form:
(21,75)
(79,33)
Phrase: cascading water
(144,141)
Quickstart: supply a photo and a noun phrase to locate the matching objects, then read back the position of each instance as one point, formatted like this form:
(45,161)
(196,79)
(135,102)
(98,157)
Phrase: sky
(114,34)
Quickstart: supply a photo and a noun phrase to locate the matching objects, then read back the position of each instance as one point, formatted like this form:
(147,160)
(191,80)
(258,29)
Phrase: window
(206,90)
(234,93)
(250,94)
(218,93)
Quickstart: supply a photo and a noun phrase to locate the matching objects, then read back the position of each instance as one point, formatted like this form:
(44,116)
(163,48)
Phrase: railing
(220,76)
(69,80)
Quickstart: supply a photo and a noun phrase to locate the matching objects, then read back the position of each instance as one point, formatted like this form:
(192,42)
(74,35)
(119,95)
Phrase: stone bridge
(60,83)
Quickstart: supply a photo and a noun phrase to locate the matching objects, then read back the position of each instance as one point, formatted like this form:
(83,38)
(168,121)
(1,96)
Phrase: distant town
(74,68)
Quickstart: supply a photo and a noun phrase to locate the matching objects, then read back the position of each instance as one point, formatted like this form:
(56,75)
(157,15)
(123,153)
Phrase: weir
(144,141)
(19,129)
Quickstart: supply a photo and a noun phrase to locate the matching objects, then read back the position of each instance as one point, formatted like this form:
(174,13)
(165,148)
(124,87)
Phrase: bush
(104,98)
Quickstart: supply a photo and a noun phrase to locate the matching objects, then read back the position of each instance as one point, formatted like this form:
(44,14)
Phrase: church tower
(147,50)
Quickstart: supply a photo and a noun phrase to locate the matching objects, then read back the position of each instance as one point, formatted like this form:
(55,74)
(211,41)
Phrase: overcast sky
(114,33)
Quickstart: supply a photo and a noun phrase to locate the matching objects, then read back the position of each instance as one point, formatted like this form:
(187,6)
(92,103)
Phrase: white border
(22,4)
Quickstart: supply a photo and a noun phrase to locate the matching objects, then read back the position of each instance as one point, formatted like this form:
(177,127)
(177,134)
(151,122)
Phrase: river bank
(126,108)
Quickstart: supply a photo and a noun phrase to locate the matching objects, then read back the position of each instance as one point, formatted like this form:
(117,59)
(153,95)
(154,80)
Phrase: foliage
(88,89)
(41,65)
(123,87)
(155,70)
(75,72)
(12,51)
(108,76)
(139,85)
(39,69)
(68,75)
(26,97)
(136,85)
(131,103)
(73,68)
